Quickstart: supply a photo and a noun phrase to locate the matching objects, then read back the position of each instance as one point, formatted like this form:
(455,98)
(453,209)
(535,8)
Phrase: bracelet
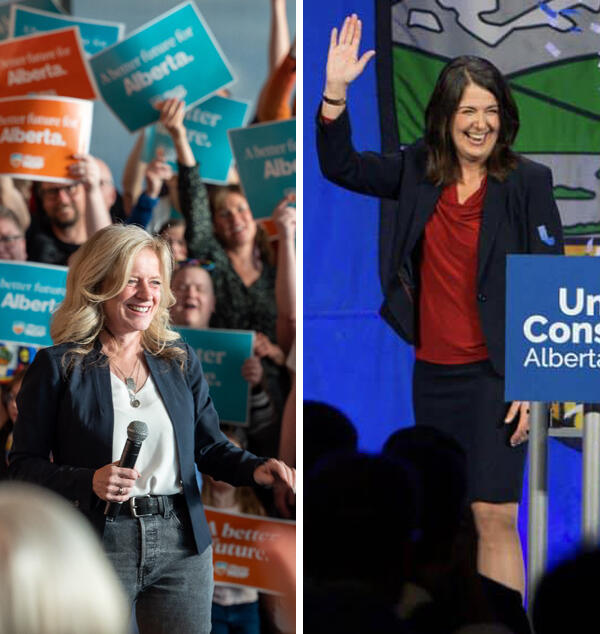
(334,102)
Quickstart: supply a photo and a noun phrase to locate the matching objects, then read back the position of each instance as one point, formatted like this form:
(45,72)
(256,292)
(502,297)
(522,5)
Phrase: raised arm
(86,170)
(343,65)
(133,175)
(172,112)
(365,172)
(12,198)
(284,217)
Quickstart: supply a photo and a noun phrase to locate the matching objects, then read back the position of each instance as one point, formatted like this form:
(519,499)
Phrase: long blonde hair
(99,271)
(54,576)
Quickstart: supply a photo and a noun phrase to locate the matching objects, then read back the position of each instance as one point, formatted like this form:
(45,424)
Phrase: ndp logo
(30,330)
(26,161)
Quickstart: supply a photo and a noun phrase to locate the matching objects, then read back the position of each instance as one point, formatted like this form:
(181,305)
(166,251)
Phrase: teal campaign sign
(95,34)
(175,55)
(222,354)
(44,5)
(206,126)
(29,294)
(553,328)
(265,155)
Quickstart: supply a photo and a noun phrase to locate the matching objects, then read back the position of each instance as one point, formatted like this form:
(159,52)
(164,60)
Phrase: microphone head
(137,431)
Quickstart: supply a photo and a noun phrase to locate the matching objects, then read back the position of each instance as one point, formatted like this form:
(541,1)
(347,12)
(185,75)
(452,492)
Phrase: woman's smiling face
(135,306)
(475,125)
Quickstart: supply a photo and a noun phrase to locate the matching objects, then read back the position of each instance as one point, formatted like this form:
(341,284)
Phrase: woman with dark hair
(173,232)
(464,201)
(224,231)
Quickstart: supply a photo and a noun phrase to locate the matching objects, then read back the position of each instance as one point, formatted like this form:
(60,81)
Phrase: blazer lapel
(170,390)
(103,389)
(494,209)
(427,197)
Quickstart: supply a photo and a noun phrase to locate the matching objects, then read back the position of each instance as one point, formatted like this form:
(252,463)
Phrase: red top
(449,325)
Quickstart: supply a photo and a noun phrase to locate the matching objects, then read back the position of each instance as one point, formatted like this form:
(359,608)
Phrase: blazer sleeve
(363,172)
(35,431)
(215,455)
(544,227)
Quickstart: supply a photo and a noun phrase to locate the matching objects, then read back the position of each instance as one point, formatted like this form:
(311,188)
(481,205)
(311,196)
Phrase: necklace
(130,382)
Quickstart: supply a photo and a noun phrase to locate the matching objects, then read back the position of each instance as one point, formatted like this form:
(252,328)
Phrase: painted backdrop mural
(550,54)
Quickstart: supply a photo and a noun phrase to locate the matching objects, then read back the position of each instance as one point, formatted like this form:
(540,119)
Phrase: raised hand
(343,63)
(172,112)
(85,170)
(157,172)
(284,217)
(172,116)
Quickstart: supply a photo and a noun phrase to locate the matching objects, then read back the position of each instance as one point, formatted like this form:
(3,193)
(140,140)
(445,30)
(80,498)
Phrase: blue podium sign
(95,34)
(222,354)
(265,155)
(206,126)
(553,328)
(29,294)
(175,55)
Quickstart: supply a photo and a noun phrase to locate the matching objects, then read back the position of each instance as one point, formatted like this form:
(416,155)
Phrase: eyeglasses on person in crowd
(53,192)
(8,240)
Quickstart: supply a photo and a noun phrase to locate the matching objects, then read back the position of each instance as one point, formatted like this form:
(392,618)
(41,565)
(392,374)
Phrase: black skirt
(466,401)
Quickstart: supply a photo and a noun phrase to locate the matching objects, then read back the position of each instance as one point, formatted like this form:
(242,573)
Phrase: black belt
(145,505)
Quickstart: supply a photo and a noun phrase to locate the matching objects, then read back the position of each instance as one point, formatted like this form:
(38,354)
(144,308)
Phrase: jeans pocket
(177,519)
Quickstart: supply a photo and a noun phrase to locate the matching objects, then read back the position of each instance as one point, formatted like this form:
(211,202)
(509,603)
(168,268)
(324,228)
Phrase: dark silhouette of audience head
(565,600)
(360,515)
(441,464)
(326,430)
(444,562)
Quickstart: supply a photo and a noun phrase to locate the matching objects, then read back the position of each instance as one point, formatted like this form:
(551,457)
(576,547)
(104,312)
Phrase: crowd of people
(228,272)
(393,542)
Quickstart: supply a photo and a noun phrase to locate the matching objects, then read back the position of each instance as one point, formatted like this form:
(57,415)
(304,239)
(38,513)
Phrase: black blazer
(515,214)
(71,415)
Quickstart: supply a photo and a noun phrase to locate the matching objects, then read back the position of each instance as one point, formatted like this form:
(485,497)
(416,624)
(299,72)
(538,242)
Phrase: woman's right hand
(112,483)
(343,63)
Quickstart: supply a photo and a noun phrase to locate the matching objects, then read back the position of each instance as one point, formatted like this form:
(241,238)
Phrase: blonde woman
(54,577)
(116,360)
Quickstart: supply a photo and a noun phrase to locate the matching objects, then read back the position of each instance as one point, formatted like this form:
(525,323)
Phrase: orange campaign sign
(39,135)
(51,63)
(240,548)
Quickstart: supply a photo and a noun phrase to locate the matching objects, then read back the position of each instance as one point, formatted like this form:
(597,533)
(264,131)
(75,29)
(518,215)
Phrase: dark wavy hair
(442,163)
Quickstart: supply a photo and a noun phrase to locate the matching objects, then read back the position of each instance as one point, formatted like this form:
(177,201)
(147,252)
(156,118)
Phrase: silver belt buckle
(134,507)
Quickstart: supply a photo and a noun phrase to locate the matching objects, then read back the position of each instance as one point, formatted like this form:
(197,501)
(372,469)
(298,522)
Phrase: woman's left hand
(264,347)
(277,474)
(521,434)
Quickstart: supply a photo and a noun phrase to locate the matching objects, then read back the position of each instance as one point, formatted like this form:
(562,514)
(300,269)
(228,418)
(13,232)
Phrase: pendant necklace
(130,382)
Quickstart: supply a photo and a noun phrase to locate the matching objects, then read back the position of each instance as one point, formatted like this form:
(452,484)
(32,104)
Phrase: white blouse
(157,461)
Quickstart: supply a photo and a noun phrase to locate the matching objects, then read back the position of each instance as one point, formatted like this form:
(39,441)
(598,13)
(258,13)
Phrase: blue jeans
(242,618)
(156,560)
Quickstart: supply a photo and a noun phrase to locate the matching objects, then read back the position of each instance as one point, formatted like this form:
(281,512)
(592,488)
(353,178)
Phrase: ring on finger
(121,490)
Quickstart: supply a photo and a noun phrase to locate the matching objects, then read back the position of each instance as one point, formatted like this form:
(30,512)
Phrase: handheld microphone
(137,431)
